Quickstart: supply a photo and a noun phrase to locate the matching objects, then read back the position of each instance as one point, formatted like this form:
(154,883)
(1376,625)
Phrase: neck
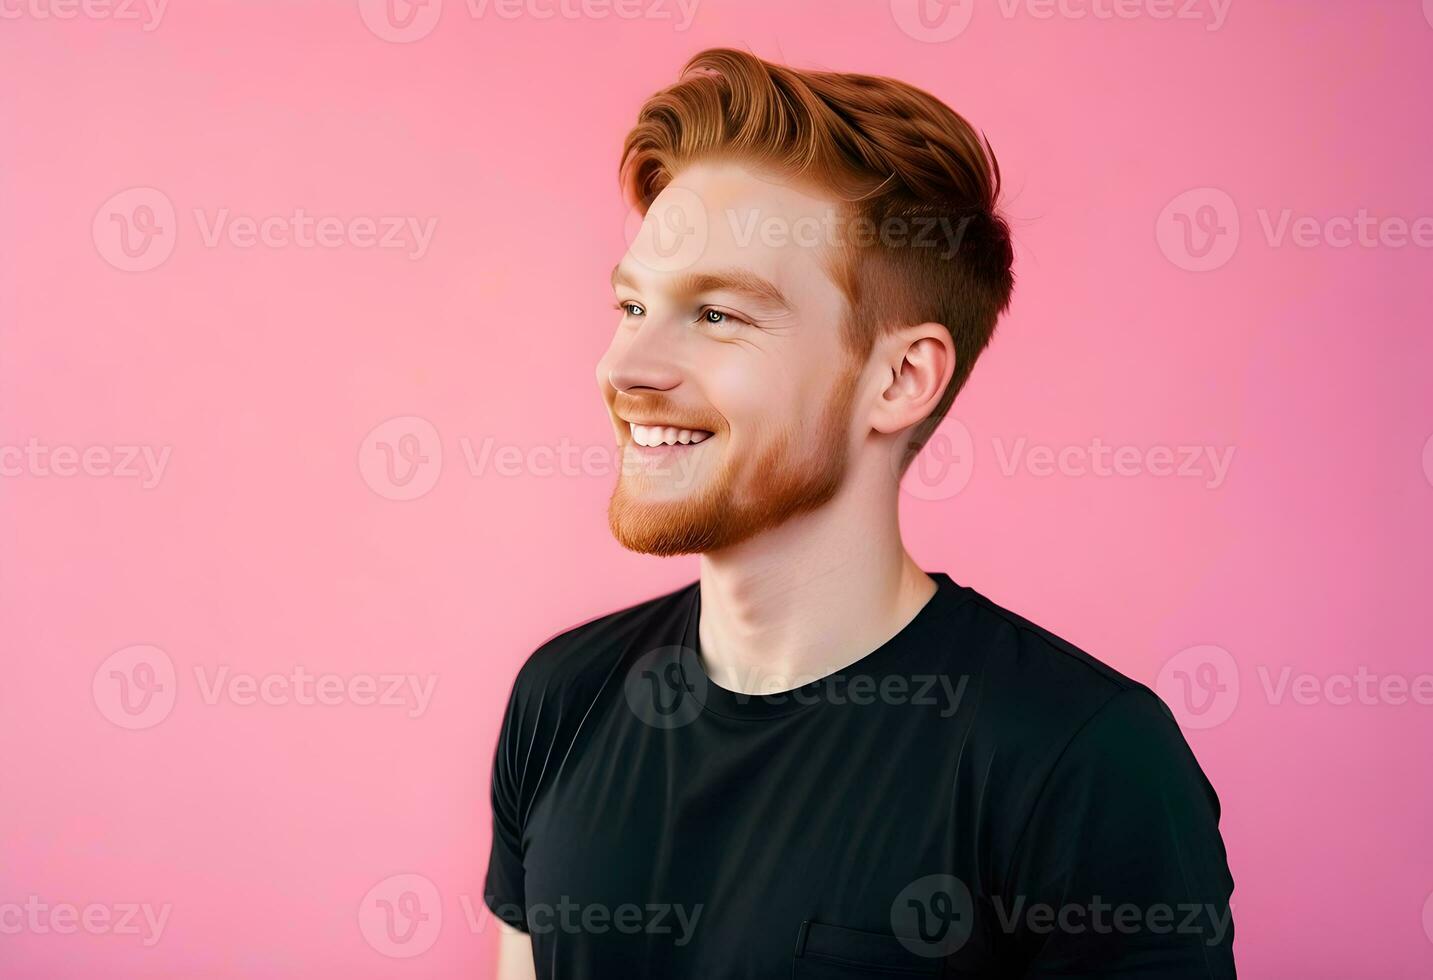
(812,596)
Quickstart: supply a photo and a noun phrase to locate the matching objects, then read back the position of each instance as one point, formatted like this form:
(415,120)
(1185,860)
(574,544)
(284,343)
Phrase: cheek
(758,399)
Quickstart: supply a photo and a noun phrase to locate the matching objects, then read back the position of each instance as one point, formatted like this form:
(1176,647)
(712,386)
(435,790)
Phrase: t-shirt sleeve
(1120,869)
(505,890)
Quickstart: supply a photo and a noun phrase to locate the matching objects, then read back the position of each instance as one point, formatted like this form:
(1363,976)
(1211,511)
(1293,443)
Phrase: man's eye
(721,318)
(630,309)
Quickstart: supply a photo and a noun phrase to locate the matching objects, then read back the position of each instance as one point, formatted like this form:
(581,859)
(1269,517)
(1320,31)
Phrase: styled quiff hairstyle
(895,157)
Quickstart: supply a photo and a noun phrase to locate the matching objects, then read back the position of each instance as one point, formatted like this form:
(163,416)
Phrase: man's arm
(505,885)
(515,960)
(1121,869)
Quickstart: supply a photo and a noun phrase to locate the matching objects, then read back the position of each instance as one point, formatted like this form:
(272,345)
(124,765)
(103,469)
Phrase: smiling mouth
(653,436)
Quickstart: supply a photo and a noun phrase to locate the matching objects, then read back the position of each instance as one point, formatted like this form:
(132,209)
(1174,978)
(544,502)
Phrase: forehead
(726,215)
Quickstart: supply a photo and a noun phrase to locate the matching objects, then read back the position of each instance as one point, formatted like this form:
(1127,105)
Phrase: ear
(917,363)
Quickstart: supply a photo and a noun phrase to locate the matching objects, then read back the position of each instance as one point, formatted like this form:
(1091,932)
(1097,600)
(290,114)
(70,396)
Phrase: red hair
(892,154)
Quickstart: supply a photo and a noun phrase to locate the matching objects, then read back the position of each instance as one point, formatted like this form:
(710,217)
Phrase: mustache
(655,405)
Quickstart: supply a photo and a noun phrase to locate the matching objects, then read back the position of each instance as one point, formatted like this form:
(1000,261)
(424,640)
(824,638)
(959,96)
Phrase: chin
(665,527)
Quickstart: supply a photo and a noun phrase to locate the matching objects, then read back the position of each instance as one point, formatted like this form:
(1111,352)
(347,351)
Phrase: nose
(641,360)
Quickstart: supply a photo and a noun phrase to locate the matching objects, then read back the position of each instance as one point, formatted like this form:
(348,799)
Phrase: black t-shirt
(976,797)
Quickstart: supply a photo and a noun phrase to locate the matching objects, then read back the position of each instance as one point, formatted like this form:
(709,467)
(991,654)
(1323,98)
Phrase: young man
(819,760)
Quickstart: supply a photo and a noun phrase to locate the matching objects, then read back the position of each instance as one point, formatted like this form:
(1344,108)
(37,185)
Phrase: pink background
(275,540)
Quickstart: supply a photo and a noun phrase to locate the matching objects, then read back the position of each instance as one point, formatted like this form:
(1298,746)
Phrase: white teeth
(666,435)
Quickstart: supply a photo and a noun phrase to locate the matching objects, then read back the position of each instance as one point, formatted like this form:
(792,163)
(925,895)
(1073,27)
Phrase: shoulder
(1045,701)
(1024,650)
(583,656)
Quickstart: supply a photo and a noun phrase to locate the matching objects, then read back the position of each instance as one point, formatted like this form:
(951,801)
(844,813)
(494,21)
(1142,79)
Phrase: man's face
(727,380)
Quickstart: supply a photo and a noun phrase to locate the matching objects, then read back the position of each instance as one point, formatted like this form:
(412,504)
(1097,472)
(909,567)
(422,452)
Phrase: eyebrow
(731,280)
